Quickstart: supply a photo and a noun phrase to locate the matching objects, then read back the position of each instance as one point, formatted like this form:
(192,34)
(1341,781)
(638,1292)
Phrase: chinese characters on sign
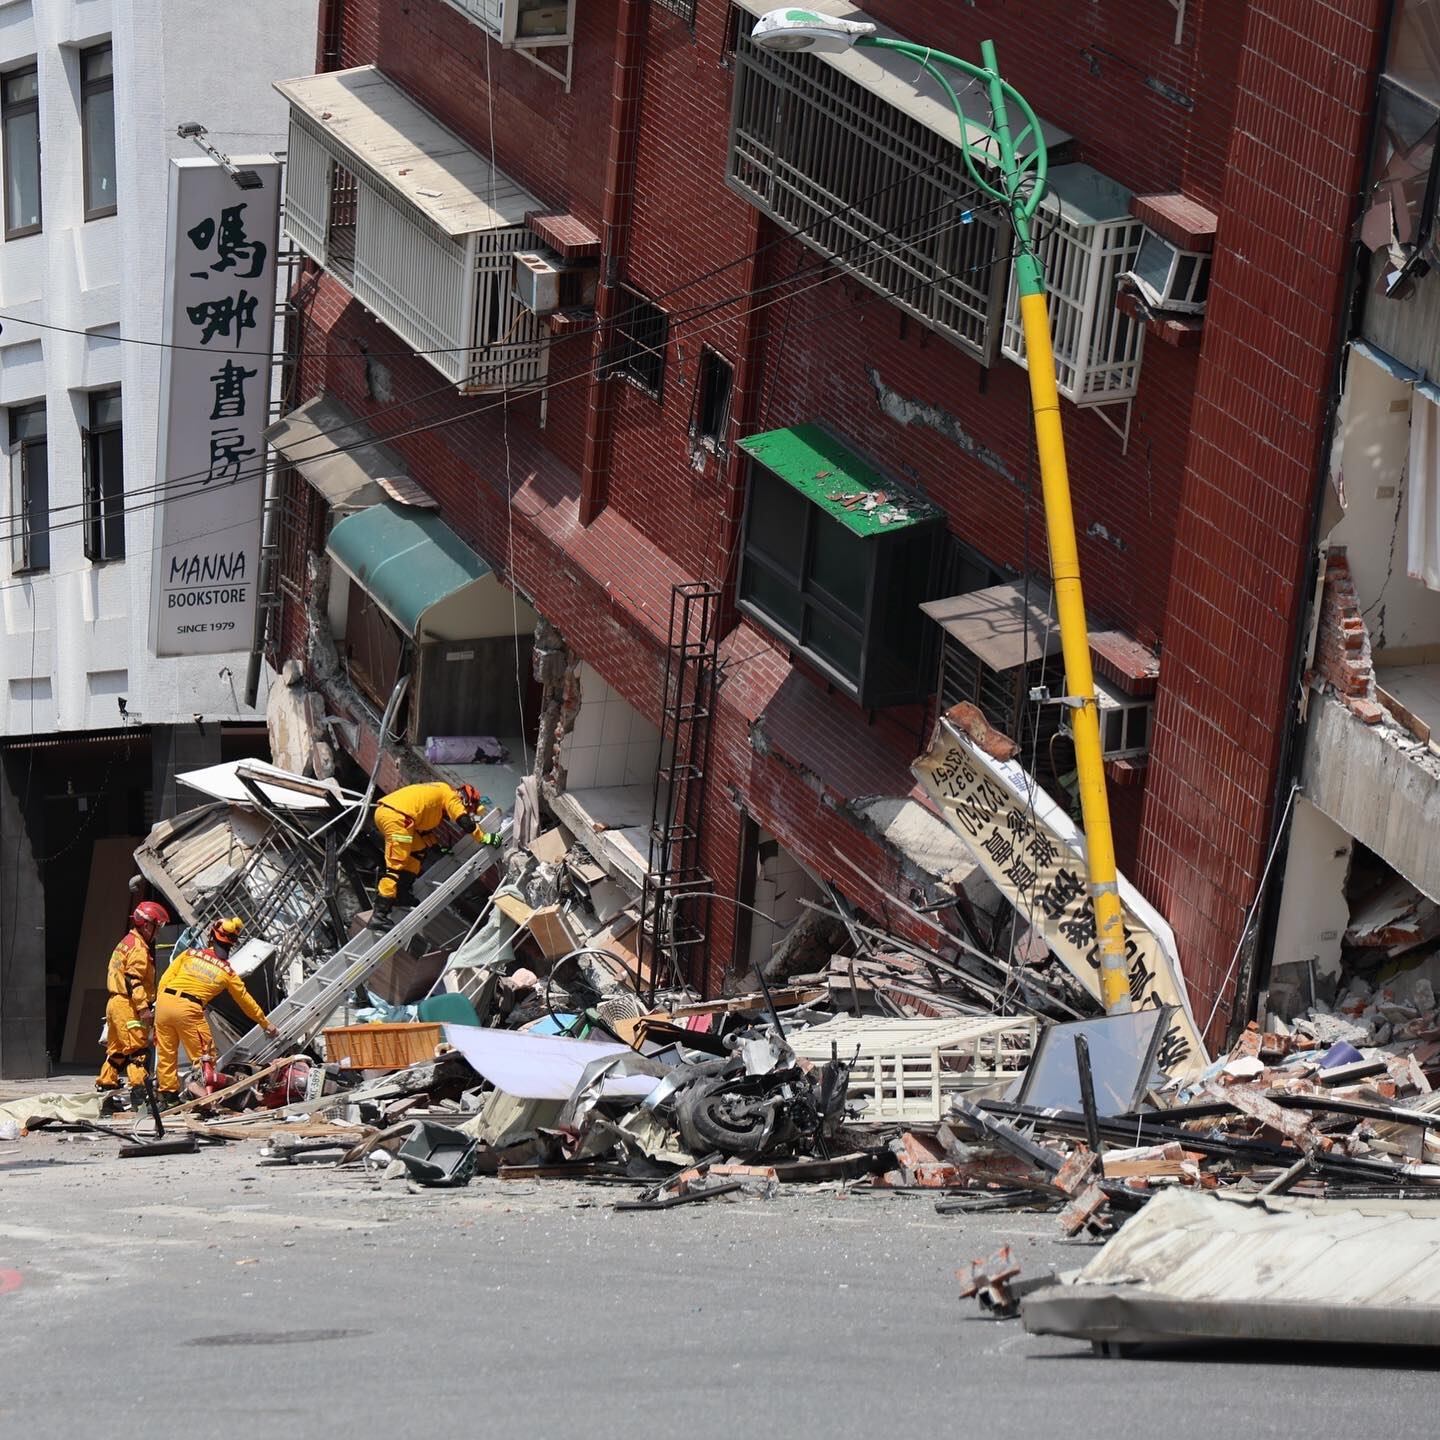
(215,389)
(1032,851)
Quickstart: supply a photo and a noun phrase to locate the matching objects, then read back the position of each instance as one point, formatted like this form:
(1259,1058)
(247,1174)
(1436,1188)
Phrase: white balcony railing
(416,225)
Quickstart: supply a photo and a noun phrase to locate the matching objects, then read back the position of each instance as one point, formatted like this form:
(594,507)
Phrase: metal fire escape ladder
(302,1013)
(675,904)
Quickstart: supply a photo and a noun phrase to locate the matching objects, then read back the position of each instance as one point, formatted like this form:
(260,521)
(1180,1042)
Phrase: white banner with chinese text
(1035,854)
(214,404)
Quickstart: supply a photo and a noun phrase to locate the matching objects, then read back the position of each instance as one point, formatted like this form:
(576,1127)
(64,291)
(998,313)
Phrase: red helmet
(150,912)
(472,798)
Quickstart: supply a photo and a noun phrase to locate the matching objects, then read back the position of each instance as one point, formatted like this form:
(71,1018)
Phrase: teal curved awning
(407,559)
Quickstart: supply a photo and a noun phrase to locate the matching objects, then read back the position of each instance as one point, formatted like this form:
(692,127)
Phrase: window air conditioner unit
(524,24)
(1170,278)
(1124,723)
(545,284)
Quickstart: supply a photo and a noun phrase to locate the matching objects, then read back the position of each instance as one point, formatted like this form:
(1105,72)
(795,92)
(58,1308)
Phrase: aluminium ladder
(300,1015)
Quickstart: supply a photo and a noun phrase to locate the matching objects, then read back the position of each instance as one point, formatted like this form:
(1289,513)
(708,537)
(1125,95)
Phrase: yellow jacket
(131,972)
(419,807)
(202,975)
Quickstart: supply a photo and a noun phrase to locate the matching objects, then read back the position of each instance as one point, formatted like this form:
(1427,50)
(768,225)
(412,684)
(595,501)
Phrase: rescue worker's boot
(405,891)
(380,915)
(138,1101)
(169,1099)
(113,1102)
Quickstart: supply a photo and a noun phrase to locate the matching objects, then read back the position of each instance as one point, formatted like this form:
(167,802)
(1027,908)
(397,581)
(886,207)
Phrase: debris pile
(514,1023)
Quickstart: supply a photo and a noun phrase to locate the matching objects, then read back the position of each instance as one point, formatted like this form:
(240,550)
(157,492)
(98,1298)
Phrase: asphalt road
(210,1295)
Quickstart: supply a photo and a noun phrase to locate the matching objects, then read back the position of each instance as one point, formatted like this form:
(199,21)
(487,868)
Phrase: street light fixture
(1019,189)
(804,30)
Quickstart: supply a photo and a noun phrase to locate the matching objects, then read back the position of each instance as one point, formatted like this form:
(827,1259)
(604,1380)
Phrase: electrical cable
(509,473)
(820,317)
(980,206)
(199,484)
(200,480)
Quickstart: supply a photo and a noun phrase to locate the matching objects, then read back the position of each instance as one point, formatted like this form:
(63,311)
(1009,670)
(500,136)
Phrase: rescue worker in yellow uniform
(408,820)
(193,979)
(130,1009)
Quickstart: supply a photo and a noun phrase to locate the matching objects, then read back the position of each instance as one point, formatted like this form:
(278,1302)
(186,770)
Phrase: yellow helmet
(227,931)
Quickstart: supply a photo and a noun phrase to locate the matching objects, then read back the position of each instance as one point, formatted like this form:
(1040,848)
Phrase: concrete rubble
(514,1025)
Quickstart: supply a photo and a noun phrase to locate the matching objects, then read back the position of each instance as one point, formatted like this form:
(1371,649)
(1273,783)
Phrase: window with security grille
(998,642)
(871,188)
(685,9)
(103,447)
(641,333)
(427,245)
(1087,239)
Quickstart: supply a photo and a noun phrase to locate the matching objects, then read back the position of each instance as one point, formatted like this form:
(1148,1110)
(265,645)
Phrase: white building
(91,94)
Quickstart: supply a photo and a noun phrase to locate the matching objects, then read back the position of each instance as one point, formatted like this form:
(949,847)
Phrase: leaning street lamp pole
(1020,187)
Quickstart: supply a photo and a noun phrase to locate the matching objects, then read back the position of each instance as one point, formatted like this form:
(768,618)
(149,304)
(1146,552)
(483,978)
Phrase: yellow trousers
(179,1022)
(126,1041)
(403,844)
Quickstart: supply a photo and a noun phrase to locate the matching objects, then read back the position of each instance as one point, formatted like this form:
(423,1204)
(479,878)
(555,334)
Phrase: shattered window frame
(1413,60)
(1405,179)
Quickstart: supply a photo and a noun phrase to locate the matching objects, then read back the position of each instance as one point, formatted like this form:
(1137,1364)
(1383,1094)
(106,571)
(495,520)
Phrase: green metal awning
(831,475)
(408,560)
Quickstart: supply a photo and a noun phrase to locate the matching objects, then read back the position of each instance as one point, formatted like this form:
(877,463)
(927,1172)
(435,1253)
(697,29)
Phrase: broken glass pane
(1123,1051)
(1408,128)
(1414,59)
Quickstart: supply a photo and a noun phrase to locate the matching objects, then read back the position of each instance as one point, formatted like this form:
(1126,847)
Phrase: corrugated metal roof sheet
(373,120)
(901,83)
(199,851)
(1195,1265)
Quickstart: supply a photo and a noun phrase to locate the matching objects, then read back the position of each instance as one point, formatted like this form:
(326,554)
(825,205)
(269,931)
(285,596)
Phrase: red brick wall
(1152,114)
(1271,328)
(1192,540)
(1343,658)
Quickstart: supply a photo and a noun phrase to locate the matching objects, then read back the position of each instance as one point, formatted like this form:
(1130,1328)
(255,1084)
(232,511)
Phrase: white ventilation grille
(870,188)
(1086,239)
(413,277)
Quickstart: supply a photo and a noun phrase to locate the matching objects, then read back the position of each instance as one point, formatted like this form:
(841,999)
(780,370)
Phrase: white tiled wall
(781,884)
(612,743)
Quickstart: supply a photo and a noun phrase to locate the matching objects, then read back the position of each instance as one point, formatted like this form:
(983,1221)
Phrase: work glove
(488,837)
(270,1030)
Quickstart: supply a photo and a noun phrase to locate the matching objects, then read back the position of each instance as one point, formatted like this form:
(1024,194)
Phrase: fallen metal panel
(1120,1315)
(1193,1265)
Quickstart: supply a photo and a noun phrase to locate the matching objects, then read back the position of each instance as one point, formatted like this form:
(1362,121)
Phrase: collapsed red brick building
(726,244)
